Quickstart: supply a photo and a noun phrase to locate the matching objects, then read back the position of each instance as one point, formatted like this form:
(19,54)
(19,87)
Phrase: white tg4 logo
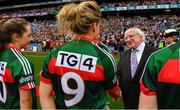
(76,61)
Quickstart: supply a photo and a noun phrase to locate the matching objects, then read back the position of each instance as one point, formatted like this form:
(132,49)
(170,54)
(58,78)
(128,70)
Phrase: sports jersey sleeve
(149,78)
(45,76)
(109,66)
(103,46)
(25,74)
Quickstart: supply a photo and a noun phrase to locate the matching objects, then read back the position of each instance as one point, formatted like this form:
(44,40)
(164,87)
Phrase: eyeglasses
(130,36)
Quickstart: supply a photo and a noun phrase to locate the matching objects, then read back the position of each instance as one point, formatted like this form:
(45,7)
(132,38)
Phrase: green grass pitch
(38,58)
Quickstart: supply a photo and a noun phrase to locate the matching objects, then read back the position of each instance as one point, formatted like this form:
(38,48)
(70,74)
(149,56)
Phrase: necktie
(134,62)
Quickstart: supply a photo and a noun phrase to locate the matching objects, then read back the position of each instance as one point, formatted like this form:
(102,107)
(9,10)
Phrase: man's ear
(15,37)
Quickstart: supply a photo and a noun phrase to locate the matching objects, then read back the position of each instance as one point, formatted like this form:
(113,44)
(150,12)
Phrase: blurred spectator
(112,30)
(142,2)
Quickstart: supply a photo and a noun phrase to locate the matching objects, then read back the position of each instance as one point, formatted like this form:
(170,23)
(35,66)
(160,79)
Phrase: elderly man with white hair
(131,65)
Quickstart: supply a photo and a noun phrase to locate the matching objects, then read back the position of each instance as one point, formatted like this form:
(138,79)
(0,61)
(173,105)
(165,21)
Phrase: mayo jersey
(80,71)
(162,77)
(16,72)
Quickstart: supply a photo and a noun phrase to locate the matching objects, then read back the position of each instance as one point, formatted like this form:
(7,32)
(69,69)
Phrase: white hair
(139,31)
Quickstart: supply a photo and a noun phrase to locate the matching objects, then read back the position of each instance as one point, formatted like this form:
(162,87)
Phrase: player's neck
(12,45)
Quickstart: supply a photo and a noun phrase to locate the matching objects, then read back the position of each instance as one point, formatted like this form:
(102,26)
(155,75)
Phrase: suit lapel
(125,64)
(143,59)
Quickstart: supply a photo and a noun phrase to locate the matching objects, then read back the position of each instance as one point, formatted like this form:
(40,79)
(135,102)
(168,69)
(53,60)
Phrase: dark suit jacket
(130,87)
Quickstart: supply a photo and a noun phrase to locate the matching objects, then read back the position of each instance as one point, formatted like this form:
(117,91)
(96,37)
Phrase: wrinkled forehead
(131,31)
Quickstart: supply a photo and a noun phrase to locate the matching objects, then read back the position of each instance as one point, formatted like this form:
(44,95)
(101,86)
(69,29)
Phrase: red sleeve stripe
(145,90)
(37,90)
(45,80)
(25,87)
(30,85)
(51,66)
(113,90)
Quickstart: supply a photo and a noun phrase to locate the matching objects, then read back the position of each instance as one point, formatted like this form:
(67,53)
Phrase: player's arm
(116,94)
(25,99)
(25,82)
(148,86)
(46,87)
(147,101)
(111,81)
(46,97)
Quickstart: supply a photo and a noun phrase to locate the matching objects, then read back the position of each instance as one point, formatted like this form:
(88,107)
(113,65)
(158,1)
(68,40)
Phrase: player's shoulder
(163,53)
(16,55)
(101,50)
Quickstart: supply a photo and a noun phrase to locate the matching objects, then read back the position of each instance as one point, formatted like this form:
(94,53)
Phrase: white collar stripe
(26,62)
(22,61)
(110,57)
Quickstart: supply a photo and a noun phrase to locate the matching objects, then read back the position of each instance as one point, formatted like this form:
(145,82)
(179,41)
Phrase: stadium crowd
(135,3)
(45,32)
(51,10)
(28,12)
(113,27)
(66,70)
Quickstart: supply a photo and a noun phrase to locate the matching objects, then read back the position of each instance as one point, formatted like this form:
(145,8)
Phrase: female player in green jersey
(16,72)
(160,83)
(80,72)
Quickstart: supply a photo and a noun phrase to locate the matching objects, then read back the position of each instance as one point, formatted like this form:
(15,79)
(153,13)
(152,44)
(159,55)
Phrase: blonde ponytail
(79,18)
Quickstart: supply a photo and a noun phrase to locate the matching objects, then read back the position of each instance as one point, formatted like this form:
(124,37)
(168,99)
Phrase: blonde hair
(78,18)
(61,18)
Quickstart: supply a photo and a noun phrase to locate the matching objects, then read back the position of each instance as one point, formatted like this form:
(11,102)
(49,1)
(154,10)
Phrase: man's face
(169,40)
(132,38)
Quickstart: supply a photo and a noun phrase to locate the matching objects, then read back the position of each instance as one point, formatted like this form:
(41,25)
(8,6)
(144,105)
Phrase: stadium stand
(117,17)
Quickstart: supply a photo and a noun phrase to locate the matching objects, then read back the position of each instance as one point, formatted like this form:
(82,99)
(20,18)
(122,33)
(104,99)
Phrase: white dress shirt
(140,50)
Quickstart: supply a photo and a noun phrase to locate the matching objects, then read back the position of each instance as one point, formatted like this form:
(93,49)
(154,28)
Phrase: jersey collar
(14,47)
(87,39)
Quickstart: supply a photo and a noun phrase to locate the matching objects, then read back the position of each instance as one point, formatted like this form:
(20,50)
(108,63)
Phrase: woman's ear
(93,28)
(96,30)
(15,38)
